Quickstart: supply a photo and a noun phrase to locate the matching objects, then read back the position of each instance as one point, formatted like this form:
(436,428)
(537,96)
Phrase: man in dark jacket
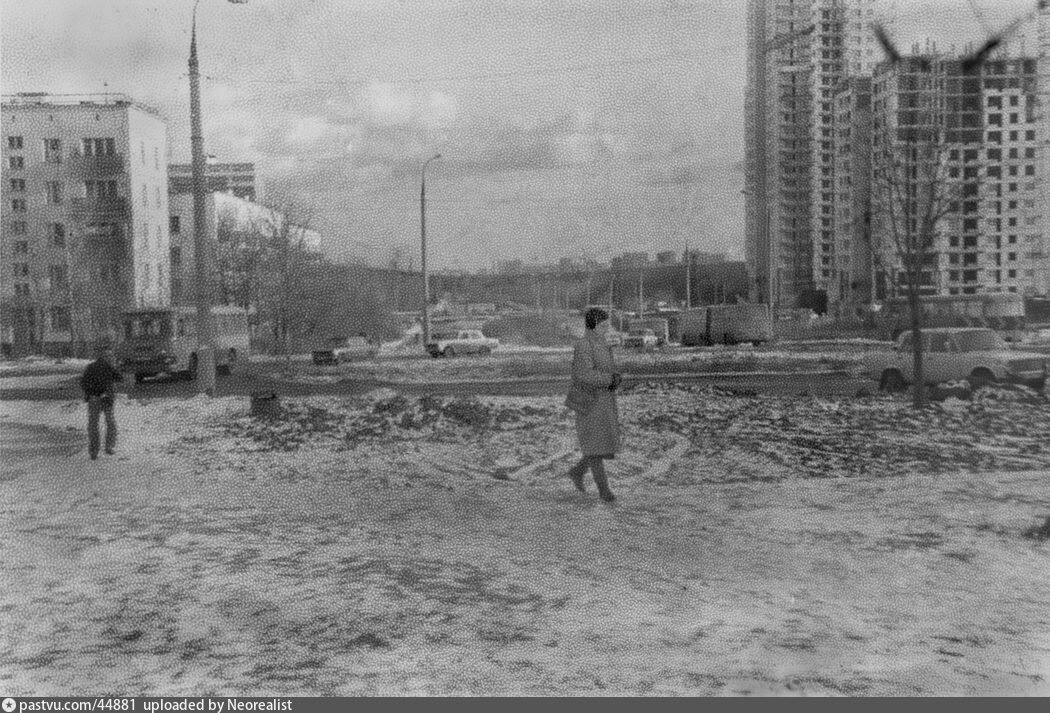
(97,383)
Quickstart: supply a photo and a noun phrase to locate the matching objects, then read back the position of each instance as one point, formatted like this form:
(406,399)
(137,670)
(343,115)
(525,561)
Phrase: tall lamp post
(201,247)
(423,246)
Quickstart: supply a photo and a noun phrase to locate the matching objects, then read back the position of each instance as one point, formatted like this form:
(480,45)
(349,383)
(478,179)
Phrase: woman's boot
(598,471)
(576,474)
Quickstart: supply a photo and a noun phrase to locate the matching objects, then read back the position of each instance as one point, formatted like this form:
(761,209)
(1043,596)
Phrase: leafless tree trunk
(912,193)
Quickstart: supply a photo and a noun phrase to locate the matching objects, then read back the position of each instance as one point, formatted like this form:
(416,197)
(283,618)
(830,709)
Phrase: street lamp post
(202,264)
(201,248)
(423,247)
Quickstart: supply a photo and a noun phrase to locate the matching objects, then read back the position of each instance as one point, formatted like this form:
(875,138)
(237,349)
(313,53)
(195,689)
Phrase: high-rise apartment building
(848,257)
(799,53)
(983,128)
(84,218)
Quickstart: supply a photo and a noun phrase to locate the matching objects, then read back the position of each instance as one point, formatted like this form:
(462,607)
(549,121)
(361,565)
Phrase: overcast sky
(567,127)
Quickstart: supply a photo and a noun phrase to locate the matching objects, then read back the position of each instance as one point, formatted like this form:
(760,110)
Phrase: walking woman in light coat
(595,381)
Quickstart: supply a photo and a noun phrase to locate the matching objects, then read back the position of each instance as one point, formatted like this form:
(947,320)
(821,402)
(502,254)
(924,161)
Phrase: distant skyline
(568,128)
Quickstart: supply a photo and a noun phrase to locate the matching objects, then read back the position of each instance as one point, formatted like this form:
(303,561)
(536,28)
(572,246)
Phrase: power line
(566,69)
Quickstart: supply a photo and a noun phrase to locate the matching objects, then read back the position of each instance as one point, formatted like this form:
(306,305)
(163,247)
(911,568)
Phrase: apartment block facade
(799,53)
(991,126)
(821,100)
(83,220)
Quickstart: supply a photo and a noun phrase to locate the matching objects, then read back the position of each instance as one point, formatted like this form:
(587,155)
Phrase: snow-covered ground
(392,545)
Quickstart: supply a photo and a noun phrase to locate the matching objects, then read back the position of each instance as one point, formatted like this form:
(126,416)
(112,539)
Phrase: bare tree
(914,190)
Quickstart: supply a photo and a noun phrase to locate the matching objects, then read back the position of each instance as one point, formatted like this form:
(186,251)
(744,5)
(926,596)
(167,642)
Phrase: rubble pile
(385,414)
(1001,429)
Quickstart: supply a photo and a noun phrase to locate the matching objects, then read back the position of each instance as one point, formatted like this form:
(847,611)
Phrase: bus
(1001,311)
(163,340)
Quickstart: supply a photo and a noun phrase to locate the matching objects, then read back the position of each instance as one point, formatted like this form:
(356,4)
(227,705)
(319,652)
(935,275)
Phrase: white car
(344,349)
(641,339)
(950,354)
(461,341)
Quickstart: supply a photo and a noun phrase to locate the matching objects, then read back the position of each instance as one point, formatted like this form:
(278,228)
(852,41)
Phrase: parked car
(462,341)
(640,339)
(344,349)
(978,355)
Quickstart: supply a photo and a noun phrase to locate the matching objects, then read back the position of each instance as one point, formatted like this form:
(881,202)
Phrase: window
(18,185)
(156,192)
(18,205)
(1029,170)
(100,190)
(58,277)
(98,147)
(156,157)
(1011,274)
(16,163)
(21,269)
(1029,135)
(22,290)
(21,247)
(938,342)
(173,224)
(1011,257)
(60,319)
(14,143)
(1013,118)
(18,227)
(145,196)
(142,148)
(57,231)
(52,150)
(54,192)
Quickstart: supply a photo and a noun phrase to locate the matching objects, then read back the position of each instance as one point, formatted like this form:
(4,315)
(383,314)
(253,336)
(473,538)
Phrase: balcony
(95,167)
(110,208)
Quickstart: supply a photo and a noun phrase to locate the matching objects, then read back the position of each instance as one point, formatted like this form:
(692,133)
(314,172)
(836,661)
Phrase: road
(256,378)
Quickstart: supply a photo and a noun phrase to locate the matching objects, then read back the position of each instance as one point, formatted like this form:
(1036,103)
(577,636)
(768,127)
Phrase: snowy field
(392,545)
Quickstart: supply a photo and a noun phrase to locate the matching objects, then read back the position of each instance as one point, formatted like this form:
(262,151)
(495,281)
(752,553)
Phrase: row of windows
(58,276)
(93,191)
(51,149)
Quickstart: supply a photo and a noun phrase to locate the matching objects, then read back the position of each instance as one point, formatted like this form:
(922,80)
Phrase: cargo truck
(725,324)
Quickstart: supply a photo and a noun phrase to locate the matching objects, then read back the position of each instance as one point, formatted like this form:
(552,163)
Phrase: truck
(725,324)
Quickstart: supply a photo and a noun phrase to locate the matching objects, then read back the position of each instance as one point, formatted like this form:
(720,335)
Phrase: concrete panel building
(84,218)
(799,53)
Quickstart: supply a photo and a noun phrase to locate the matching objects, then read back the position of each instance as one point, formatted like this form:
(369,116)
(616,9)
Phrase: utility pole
(688,286)
(201,253)
(641,292)
(423,247)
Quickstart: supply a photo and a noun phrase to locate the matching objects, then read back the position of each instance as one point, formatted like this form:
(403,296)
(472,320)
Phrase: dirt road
(195,562)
